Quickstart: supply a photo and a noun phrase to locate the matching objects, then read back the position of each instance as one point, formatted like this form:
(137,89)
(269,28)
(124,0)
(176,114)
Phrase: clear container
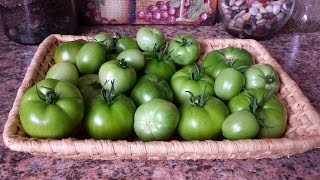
(31,21)
(257,19)
(306,16)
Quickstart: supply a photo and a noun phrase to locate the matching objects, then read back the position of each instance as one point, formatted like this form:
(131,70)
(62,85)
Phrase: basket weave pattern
(302,134)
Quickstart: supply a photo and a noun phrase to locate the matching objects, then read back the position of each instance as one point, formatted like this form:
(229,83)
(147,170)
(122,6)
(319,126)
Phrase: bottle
(306,17)
(31,21)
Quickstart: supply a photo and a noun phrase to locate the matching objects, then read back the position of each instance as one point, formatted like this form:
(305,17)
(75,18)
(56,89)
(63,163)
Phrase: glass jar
(306,17)
(257,19)
(31,21)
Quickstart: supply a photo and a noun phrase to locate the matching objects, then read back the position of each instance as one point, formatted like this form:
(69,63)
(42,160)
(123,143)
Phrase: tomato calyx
(183,42)
(109,95)
(162,55)
(256,107)
(197,72)
(199,100)
(229,59)
(269,79)
(232,61)
(50,97)
(123,63)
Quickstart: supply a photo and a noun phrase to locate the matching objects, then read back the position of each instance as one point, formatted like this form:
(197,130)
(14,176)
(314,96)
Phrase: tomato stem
(269,79)
(197,72)
(109,95)
(256,107)
(50,97)
(123,63)
(162,55)
(230,60)
(198,100)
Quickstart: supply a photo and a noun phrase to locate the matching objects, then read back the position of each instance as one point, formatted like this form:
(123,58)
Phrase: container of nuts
(255,19)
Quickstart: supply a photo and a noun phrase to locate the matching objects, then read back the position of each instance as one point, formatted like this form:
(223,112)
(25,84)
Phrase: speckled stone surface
(298,53)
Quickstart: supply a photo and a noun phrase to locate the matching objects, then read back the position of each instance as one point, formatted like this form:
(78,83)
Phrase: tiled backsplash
(200,12)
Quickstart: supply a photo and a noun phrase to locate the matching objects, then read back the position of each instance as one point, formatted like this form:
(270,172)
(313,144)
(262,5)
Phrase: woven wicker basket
(302,134)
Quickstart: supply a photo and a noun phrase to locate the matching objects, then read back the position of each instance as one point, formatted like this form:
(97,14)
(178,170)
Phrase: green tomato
(150,39)
(184,49)
(240,125)
(51,109)
(268,109)
(110,119)
(163,68)
(123,43)
(105,40)
(228,84)
(150,87)
(156,120)
(90,57)
(134,57)
(191,78)
(217,60)
(89,86)
(202,119)
(63,71)
(262,76)
(67,51)
(122,73)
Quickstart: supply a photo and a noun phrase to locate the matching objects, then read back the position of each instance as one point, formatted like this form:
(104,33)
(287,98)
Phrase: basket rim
(173,149)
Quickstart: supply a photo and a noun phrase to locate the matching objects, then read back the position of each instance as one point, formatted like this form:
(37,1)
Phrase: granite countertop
(298,53)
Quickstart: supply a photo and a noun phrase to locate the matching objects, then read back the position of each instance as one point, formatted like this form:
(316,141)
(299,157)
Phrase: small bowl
(255,19)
